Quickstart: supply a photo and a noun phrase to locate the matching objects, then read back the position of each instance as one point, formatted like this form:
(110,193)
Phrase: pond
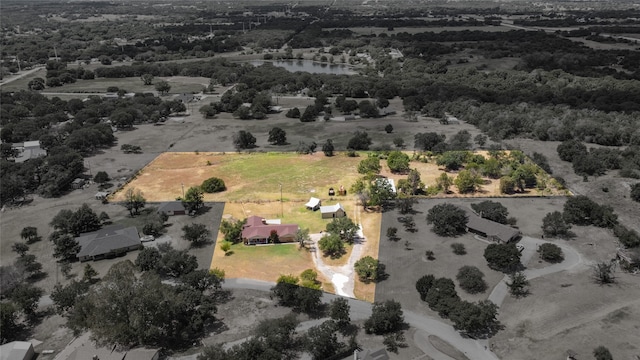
(309,66)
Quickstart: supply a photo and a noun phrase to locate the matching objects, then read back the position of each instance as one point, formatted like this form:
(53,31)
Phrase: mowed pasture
(266,177)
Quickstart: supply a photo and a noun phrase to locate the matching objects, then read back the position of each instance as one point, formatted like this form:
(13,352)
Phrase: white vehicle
(147,238)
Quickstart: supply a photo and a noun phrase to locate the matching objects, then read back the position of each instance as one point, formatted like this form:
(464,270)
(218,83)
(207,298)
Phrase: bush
(458,249)
(550,253)
(471,279)
(213,185)
(635,192)
(503,257)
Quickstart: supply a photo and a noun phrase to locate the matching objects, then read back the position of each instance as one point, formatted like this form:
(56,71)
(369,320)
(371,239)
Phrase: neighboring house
(332,211)
(77,183)
(313,204)
(490,229)
(368,354)
(257,230)
(17,350)
(172,208)
(29,150)
(387,111)
(108,242)
(630,257)
(88,351)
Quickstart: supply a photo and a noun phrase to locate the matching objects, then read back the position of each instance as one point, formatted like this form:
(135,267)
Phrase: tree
(127,310)
(471,280)
(148,259)
(328,148)
(380,193)
(359,141)
(507,185)
(208,111)
(392,233)
(478,320)
(423,285)
(570,149)
(602,353)
(447,220)
(309,279)
(197,234)
(370,165)
(331,245)
(89,273)
(629,238)
(134,201)
(551,253)
(603,272)
(163,87)
(8,321)
(581,210)
(204,280)
(66,248)
(293,113)
(635,192)
(322,342)
(232,230)
(458,249)
(343,227)
(427,141)
(386,317)
(444,182)
(175,263)
(302,237)
(452,160)
(225,246)
(442,296)
(491,210)
(30,234)
(26,296)
(525,176)
(193,200)
(467,181)
(339,311)
(29,265)
(277,136)
(213,185)
(518,284)
(147,79)
(503,257)
(367,109)
(101,177)
(20,248)
(388,128)
(244,140)
(553,225)
(83,220)
(398,142)
(36,84)
(398,162)
(460,141)
(405,204)
(480,139)
(369,269)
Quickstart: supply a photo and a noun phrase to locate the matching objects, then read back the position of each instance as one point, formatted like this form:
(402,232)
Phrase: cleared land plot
(405,267)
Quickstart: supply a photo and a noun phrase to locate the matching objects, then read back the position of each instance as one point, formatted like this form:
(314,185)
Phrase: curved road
(473,349)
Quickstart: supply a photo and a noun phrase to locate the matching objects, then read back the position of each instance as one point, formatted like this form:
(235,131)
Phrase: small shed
(332,211)
(77,183)
(313,204)
(172,208)
(101,195)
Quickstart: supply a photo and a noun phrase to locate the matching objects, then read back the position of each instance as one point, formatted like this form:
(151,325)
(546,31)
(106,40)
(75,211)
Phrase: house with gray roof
(108,242)
(490,229)
(172,208)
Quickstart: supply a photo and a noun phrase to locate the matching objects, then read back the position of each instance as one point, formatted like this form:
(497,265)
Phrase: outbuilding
(332,211)
(313,204)
(172,208)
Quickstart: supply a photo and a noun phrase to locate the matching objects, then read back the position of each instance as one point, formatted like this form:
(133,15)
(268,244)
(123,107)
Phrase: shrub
(213,185)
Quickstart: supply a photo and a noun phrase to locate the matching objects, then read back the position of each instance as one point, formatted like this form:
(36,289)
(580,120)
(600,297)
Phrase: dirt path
(342,277)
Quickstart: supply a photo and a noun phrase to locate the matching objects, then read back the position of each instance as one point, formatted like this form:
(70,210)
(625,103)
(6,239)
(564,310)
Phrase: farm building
(257,230)
(101,195)
(172,208)
(28,150)
(77,183)
(313,204)
(17,350)
(332,211)
(108,242)
(490,229)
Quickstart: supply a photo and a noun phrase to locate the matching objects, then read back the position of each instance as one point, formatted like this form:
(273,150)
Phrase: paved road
(21,75)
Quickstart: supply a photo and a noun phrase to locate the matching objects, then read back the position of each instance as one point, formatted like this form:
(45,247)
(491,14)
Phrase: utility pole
(281,204)
(182,191)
